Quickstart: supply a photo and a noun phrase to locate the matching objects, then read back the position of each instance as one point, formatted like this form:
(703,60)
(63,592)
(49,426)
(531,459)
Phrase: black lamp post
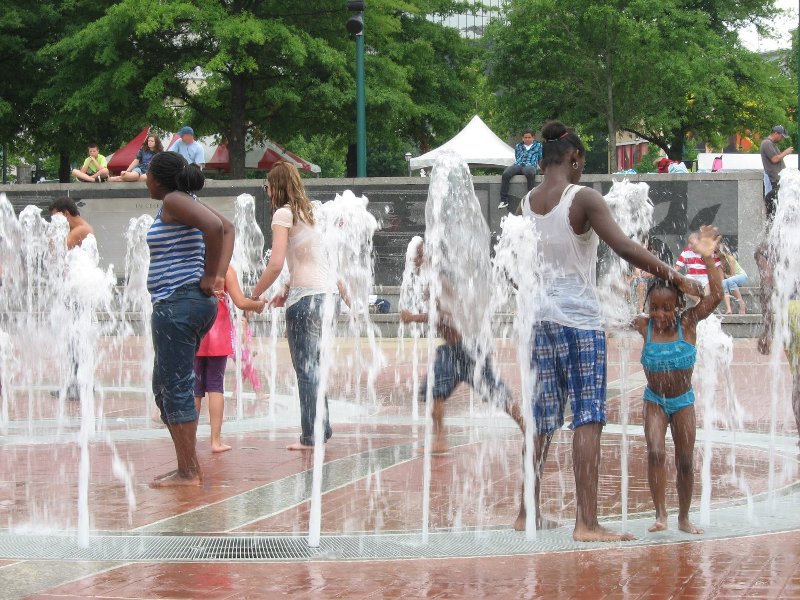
(355,25)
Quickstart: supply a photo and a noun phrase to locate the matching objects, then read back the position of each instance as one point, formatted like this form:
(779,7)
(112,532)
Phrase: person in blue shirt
(527,155)
(189,148)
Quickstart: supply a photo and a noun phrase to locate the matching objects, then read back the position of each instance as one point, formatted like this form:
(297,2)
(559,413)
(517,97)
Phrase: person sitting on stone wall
(95,167)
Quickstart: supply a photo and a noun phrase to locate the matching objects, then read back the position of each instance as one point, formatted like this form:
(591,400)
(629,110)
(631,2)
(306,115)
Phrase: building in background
(472,24)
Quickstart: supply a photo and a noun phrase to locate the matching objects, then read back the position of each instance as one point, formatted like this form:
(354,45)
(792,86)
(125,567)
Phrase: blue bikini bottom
(670,405)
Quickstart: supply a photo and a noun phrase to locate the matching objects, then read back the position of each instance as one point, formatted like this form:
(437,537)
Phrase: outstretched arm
(707,243)
(241,301)
(602,221)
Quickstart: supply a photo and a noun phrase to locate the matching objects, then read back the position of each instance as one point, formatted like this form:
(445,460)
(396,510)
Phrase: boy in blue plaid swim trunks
(455,363)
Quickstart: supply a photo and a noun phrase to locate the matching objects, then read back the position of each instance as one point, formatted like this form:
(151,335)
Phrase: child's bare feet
(688,527)
(216,448)
(659,525)
(299,446)
(600,534)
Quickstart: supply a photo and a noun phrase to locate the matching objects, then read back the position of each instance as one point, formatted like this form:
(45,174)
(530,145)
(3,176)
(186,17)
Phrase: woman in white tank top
(568,351)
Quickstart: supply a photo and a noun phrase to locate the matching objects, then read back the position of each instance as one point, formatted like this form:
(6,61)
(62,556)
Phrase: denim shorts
(569,364)
(140,170)
(455,364)
(179,322)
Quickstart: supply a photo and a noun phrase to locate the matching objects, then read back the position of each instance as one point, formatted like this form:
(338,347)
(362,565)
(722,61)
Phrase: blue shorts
(670,405)
(140,170)
(455,364)
(568,364)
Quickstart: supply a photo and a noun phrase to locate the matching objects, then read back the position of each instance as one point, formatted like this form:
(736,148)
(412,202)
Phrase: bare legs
(216,408)
(738,295)
(683,428)
(586,467)
(95,177)
(655,430)
(541,444)
(439,445)
(188,473)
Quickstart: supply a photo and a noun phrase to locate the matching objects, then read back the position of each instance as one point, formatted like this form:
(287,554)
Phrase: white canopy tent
(476,143)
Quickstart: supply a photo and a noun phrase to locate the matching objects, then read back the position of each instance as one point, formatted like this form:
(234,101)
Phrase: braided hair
(558,142)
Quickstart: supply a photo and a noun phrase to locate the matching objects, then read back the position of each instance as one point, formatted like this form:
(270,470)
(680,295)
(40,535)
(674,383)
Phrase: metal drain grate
(727,522)
(256,548)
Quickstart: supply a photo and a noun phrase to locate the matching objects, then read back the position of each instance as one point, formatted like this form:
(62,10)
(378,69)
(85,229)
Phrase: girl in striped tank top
(190,248)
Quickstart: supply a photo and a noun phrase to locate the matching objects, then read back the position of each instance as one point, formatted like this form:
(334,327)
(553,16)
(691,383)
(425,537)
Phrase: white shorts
(703,279)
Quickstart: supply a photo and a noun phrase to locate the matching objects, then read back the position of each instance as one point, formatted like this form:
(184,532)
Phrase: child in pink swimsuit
(212,357)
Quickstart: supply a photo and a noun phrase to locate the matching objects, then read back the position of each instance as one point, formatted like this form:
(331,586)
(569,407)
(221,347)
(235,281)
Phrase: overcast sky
(782,28)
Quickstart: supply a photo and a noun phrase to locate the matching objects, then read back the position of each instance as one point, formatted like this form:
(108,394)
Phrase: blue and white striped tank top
(177,257)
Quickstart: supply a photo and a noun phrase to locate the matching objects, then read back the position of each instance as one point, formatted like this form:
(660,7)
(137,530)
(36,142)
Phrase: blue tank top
(660,357)
(177,257)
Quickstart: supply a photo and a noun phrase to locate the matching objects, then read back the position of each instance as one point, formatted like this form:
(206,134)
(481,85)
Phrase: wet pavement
(242,534)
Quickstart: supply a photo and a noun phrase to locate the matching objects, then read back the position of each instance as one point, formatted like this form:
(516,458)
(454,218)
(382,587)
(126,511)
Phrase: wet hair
(558,142)
(663,284)
(286,188)
(159,146)
(64,204)
(172,171)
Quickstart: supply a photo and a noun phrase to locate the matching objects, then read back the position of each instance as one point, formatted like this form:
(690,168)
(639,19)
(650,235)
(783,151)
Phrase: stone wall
(731,201)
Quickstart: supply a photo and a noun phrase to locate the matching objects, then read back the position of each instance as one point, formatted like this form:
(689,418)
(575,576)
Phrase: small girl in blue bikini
(668,358)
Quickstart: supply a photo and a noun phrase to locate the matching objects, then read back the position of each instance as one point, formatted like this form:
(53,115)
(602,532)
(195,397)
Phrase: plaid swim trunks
(568,364)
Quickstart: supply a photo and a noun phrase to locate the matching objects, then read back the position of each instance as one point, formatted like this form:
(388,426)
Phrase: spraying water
(347,228)
(51,298)
(136,305)
(412,299)
(519,273)
(248,249)
(630,205)
(784,247)
(714,356)
(457,256)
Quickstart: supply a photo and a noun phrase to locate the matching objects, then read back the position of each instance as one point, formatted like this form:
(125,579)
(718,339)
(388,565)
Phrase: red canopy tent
(261,156)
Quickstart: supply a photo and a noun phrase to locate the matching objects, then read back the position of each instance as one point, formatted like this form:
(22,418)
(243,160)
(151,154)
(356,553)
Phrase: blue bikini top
(660,357)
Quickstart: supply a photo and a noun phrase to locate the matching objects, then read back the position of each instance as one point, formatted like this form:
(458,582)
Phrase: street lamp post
(355,25)
(408,162)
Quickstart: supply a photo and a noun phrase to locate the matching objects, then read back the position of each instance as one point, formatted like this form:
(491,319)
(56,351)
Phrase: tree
(659,68)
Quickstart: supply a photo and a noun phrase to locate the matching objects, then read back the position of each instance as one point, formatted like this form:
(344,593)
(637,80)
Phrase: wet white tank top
(571,285)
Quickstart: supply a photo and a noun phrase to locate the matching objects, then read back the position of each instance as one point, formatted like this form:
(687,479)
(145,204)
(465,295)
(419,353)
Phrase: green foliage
(647,163)
(658,68)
